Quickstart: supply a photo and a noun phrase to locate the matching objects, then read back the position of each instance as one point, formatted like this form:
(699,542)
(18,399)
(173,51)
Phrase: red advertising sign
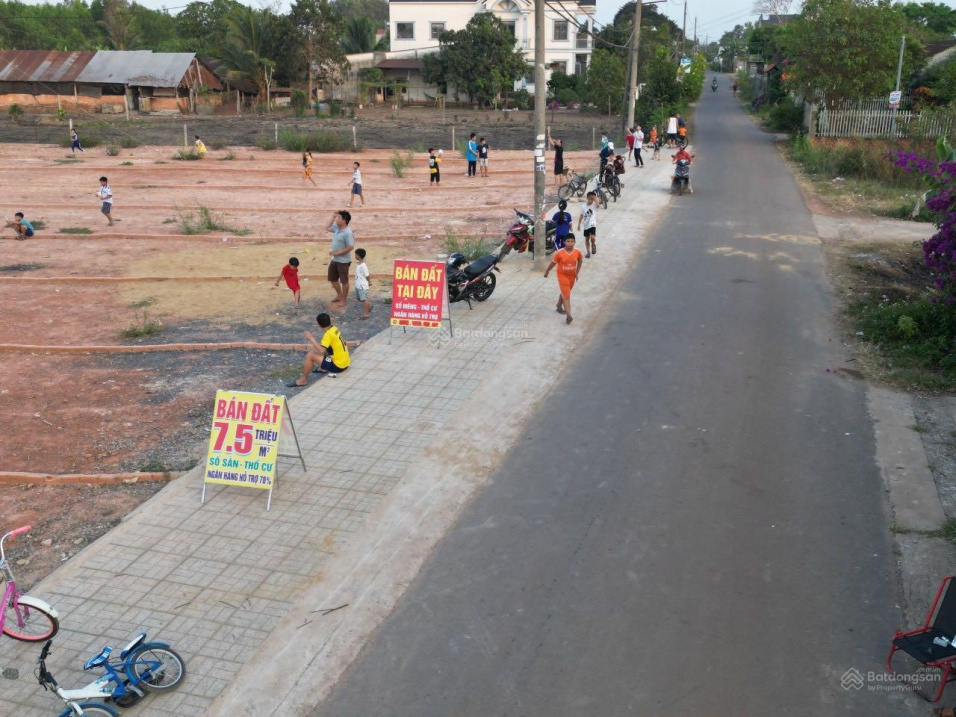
(418,293)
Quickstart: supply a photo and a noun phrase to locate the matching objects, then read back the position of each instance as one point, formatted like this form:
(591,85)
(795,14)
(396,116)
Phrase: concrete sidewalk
(394,448)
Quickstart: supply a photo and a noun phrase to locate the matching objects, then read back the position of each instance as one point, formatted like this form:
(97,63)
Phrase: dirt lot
(146,281)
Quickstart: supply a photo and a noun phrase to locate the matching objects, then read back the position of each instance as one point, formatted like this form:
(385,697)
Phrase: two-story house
(414,27)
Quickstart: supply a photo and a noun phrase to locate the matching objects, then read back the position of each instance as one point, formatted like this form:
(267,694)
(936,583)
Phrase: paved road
(695,525)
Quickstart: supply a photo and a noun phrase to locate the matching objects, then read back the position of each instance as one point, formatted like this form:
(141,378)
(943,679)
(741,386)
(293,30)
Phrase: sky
(714,17)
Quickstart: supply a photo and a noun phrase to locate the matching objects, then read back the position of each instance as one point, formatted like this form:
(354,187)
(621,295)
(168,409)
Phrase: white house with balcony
(414,27)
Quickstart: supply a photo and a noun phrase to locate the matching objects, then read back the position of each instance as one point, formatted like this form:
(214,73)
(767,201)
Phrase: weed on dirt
(142,326)
(203,221)
(472,247)
(190,155)
(38,223)
(905,338)
(14,268)
(75,230)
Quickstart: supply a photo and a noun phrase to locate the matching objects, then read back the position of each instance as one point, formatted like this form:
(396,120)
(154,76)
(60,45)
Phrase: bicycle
(141,668)
(24,618)
(576,186)
(601,195)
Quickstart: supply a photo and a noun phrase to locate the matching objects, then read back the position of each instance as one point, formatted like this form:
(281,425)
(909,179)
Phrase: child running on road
(200,147)
(568,260)
(589,218)
(355,186)
(307,165)
(105,194)
(290,272)
(75,141)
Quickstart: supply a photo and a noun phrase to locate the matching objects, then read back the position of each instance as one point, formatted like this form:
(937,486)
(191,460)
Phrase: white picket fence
(873,119)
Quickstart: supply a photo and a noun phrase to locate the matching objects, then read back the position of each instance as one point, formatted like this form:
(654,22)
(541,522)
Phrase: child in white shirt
(356,184)
(362,282)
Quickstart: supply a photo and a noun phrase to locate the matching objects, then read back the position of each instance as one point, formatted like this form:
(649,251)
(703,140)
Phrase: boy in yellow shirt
(330,355)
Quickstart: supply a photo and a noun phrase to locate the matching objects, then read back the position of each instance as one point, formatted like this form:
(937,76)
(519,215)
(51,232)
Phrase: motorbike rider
(606,152)
(713,84)
(681,153)
(735,88)
(563,224)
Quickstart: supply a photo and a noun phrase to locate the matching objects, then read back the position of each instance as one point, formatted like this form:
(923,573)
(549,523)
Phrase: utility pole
(683,34)
(635,46)
(696,48)
(899,74)
(540,118)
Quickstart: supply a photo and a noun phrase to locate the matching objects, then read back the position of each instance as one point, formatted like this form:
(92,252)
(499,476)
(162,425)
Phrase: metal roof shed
(141,68)
(42,65)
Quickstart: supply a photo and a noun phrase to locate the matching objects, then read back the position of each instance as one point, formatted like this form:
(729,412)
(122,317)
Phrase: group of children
(476,154)
(567,258)
(355,184)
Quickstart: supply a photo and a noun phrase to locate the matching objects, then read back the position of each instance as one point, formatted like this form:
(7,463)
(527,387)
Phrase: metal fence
(874,119)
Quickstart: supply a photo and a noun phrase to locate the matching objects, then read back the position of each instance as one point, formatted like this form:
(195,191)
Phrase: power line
(572,20)
(59,16)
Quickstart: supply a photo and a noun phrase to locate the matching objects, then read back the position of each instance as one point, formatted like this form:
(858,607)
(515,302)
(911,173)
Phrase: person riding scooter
(678,160)
(713,85)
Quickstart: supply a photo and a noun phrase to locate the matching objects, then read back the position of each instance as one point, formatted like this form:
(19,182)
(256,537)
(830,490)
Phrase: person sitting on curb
(330,355)
(21,227)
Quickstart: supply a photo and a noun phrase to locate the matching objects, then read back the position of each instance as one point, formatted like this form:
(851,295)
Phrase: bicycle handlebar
(24,529)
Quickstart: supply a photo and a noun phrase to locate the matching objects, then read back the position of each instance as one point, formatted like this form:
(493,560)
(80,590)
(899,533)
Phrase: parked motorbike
(475,280)
(681,180)
(521,236)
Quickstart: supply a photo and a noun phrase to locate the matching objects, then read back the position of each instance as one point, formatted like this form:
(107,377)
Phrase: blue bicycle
(142,666)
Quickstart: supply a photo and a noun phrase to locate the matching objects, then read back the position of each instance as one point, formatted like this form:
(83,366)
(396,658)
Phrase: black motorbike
(681,180)
(713,87)
(475,280)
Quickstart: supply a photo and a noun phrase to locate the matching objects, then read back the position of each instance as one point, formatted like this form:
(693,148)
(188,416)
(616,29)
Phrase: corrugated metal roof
(141,67)
(396,64)
(42,65)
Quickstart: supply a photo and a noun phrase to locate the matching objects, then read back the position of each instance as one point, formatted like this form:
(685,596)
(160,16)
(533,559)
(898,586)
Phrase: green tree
(204,25)
(845,49)
(931,20)
(480,60)
(119,22)
(604,85)
(374,10)
(319,27)
(358,35)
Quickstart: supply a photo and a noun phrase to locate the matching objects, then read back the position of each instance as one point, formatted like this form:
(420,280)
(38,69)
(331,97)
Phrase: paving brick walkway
(214,579)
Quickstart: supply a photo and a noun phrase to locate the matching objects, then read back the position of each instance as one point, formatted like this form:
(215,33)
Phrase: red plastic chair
(918,644)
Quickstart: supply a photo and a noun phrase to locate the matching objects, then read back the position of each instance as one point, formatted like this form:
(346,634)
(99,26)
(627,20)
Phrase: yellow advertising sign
(244,442)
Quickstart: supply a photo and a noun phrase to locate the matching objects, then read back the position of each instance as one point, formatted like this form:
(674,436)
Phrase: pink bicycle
(24,618)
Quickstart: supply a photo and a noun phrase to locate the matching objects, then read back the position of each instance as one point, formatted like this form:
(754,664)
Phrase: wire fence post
(354,138)
(277,134)
(185,137)
(453,148)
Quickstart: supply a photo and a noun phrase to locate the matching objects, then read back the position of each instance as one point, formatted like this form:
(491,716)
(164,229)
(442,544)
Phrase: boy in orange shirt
(568,261)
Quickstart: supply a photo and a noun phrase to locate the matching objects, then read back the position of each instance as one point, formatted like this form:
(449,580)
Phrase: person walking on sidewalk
(629,140)
(330,355)
(563,224)
(471,154)
(588,217)
(672,130)
(340,258)
(75,141)
(638,146)
(568,260)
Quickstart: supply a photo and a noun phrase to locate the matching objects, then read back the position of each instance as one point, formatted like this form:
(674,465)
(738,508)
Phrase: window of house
(437,29)
(510,26)
(529,78)
(561,66)
(560,30)
(582,38)
(404,30)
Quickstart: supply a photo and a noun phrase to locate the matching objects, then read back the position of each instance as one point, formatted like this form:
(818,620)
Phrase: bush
(745,88)
(217,144)
(472,247)
(15,111)
(299,103)
(323,141)
(229,156)
(113,150)
(858,160)
(785,117)
(521,99)
(187,155)
(266,144)
(129,142)
(401,163)
(336,108)
(566,96)
(204,221)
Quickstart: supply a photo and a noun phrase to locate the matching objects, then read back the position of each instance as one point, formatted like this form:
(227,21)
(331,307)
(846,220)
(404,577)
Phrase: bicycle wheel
(615,188)
(160,668)
(95,709)
(37,626)
(565,191)
(581,187)
(602,197)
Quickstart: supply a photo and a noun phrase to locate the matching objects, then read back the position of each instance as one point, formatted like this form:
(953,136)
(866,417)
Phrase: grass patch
(471,246)
(203,221)
(126,164)
(160,161)
(142,303)
(15,268)
(217,144)
(285,373)
(128,142)
(87,141)
(38,223)
(266,145)
(153,466)
(227,157)
(904,337)
(68,160)
(322,141)
(169,220)
(400,162)
(141,326)
(75,230)
(113,150)
(188,155)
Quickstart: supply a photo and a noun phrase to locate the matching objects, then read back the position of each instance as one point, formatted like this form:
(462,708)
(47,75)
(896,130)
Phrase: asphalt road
(695,525)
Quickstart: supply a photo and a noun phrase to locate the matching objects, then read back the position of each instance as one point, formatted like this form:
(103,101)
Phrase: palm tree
(247,37)
(359,36)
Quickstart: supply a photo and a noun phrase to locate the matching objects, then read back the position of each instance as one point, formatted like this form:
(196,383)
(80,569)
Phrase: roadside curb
(144,348)
(18,478)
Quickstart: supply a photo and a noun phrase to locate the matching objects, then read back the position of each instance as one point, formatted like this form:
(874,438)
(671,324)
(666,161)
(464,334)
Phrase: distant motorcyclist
(735,88)
(713,85)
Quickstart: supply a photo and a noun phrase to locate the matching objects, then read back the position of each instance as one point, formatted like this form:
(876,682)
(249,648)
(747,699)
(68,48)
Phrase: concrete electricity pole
(635,45)
(540,117)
